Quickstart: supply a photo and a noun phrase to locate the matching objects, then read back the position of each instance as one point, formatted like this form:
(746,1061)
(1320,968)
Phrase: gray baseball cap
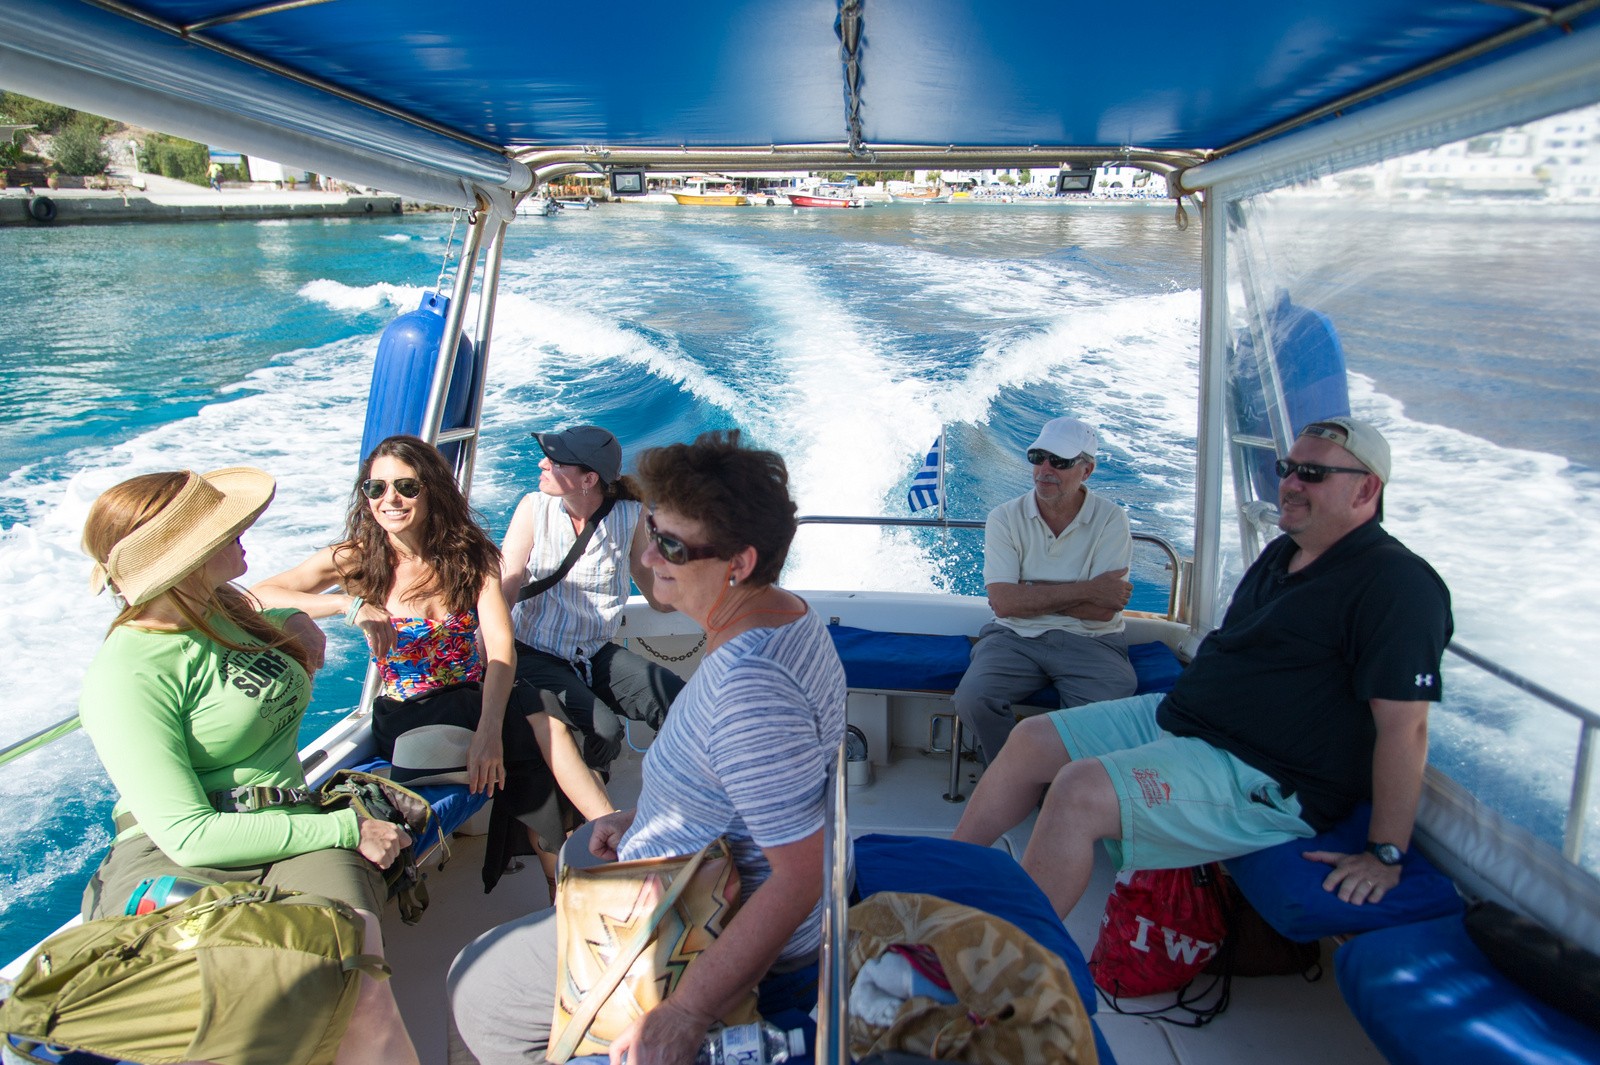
(584,445)
(1357,437)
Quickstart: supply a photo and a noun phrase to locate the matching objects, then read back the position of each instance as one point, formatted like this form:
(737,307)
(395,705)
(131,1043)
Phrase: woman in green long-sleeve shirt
(195,691)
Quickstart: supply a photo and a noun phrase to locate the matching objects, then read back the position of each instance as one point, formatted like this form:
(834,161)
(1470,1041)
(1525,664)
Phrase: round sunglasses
(409,487)
(674,550)
(1037,455)
(1310,472)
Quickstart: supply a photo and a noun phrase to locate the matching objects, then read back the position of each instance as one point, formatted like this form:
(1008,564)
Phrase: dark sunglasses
(1037,455)
(674,550)
(409,487)
(1310,472)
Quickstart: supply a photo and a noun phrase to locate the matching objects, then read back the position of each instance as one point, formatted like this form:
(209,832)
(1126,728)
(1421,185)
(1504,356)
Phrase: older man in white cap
(1310,699)
(1055,564)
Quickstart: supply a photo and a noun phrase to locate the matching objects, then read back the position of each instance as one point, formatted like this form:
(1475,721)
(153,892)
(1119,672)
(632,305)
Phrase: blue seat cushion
(898,661)
(1287,889)
(452,805)
(1155,668)
(1425,993)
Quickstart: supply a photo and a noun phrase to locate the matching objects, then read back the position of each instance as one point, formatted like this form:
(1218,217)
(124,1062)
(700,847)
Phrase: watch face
(1387,853)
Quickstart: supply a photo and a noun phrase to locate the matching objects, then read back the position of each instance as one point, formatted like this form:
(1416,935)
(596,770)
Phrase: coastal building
(1555,159)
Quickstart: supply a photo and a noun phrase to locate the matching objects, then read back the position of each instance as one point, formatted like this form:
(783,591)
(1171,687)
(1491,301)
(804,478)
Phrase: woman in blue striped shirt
(743,754)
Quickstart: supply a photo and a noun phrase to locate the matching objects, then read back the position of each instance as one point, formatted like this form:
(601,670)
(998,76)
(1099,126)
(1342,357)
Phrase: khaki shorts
(334,873)
(1183,802)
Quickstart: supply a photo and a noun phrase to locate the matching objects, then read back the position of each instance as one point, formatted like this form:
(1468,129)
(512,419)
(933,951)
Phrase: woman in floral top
(420,578)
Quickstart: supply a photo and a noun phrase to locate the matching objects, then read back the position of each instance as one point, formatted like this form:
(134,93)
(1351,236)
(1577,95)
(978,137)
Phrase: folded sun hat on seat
(431,754)
(209,511)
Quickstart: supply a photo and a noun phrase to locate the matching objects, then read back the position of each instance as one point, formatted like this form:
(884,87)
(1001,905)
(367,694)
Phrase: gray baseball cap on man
(584,445)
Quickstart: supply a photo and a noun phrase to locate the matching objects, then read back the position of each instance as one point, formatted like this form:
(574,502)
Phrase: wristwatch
(1386,853)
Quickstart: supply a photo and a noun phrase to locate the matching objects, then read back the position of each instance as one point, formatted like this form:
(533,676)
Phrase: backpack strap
(545,583)
(248,799)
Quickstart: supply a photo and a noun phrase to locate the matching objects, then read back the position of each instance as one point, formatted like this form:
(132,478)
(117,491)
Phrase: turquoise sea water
(842,339)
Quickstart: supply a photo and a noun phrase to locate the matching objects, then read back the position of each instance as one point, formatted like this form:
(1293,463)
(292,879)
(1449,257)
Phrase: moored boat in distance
(827,196)
(919,194)
(704,194)
(539,207)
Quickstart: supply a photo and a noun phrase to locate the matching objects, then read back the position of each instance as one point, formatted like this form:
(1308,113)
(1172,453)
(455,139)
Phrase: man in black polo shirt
(1311,697)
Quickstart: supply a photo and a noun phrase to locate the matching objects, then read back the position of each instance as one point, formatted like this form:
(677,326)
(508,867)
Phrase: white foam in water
(342,297)
(534,333)
(1509,531)
(837,402)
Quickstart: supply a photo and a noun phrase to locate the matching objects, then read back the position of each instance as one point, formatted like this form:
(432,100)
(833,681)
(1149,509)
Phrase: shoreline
(58,207)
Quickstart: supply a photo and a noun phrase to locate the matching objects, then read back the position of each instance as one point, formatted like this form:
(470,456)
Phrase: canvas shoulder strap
(584,1015)
(548,581)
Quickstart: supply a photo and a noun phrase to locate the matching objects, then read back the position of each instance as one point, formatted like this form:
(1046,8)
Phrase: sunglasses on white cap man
(1061,441)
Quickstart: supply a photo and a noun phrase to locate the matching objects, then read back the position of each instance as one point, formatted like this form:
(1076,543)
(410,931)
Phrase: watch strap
(1386,853)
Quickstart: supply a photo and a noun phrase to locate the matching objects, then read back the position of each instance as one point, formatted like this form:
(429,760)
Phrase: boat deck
(1271,1019)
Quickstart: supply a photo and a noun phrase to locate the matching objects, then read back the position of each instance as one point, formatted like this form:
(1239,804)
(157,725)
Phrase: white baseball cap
(1067,438)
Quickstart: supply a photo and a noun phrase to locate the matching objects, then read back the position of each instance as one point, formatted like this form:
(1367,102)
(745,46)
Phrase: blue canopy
(453,91)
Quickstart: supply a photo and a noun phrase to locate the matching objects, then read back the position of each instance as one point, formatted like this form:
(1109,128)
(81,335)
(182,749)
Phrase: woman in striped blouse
(744,754)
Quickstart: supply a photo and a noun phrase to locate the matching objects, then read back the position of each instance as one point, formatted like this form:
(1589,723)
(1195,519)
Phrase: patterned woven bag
(1015,1000)
(625,933)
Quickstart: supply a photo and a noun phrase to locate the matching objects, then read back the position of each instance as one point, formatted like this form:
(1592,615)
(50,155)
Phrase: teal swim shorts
(1183,801)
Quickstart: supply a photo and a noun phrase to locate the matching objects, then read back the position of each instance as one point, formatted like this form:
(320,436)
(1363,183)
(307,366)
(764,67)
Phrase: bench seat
(898,661)
(1425,993)
(1287,889)
(452,805)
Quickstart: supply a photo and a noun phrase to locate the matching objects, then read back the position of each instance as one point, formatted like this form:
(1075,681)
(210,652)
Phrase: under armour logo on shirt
(1424,680)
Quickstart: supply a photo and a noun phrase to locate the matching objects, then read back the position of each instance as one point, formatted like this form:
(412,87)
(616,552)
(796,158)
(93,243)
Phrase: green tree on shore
(76,144)
(21,110)
(174,157)
(79,148)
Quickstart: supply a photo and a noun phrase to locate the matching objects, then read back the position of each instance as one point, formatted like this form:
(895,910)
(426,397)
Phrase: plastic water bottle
(155,892)
(760,1043)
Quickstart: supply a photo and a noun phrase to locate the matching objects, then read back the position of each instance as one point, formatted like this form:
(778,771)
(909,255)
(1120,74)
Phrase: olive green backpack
(236,974)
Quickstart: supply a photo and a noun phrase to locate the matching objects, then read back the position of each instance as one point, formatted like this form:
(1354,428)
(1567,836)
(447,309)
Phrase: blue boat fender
(402,374)
(1311,368)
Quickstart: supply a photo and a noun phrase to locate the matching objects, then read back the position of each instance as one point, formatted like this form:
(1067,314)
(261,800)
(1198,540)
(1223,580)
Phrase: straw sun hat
(208,512)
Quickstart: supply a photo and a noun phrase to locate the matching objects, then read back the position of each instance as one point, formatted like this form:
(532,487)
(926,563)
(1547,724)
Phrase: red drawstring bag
(1160,928)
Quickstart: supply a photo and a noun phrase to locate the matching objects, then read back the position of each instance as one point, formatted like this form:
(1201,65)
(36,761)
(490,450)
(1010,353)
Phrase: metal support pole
(433,414)
(833,983)
(1211,424)
(487,293)
(1582,782)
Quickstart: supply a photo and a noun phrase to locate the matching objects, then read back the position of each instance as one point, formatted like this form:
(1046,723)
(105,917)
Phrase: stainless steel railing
(1588,738)
(1175,567)
(833,977)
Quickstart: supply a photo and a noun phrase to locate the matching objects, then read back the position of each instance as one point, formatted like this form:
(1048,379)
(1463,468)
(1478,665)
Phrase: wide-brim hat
(209,511)
(585,445)
(431,754)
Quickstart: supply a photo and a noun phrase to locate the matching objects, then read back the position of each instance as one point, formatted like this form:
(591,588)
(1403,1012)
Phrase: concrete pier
(59,207)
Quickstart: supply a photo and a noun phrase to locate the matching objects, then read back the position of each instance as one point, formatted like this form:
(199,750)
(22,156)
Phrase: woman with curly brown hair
(421,579)
(743,754)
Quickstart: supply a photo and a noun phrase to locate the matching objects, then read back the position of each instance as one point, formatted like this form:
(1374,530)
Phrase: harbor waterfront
(844,339)
(50,207)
